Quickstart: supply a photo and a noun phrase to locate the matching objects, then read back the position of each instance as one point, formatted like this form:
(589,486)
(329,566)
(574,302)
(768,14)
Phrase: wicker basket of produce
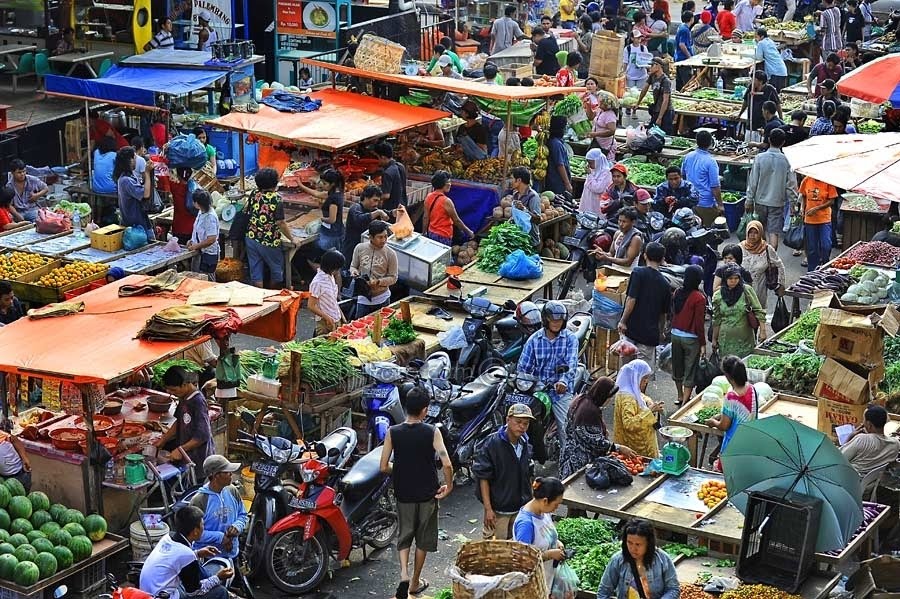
(378,55)
(229,269)
(518,567)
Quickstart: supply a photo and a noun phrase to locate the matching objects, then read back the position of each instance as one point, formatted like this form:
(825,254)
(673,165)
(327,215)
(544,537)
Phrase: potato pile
(465,253)
(548,211)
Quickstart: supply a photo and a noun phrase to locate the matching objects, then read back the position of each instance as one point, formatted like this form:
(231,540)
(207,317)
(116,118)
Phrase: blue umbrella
(778,455)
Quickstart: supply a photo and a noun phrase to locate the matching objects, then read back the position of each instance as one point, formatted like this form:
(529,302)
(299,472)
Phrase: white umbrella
(868,164)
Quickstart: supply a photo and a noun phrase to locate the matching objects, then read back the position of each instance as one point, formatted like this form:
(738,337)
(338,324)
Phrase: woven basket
(492,558)
(229,269)
(378,55)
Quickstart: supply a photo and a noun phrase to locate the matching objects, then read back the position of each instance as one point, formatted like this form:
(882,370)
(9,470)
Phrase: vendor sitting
(27,190)
(191,430)
(473,136)
(868,448)
(10,307)
(677,192)
(66,43)
(224,514)
(440,51)
(447,69)
(619,190)
(13,458)
(202,137)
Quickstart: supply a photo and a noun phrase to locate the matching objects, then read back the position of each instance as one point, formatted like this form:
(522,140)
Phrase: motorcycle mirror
(510,305)
(321,450)
(562,369)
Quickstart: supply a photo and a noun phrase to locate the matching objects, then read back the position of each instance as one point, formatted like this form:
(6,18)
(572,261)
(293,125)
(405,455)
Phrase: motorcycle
(593,232)
(479,354)
(116,591)
(382,401)
(330,518)
(513,330)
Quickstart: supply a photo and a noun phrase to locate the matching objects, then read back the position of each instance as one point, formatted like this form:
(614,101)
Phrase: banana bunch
(543,120)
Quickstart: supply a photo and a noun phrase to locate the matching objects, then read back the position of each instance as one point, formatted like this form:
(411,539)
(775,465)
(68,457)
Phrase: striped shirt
(162,39)
(830,21)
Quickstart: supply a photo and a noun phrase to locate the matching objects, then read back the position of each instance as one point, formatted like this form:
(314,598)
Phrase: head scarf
(601,164)
(587,408)
(706,17)
(760,246)
(693,278)
(629,380)
(607,101)
(729,295)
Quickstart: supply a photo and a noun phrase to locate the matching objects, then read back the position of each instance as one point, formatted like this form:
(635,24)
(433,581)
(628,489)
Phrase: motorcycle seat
(339,439)
(478,392)
(507,323)
(365,474)
(580,326)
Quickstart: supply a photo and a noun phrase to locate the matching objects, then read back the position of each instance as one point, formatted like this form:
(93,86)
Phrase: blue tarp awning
(135,86)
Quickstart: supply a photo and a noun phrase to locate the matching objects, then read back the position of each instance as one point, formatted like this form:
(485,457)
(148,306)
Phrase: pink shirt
(325,290)
(602,121)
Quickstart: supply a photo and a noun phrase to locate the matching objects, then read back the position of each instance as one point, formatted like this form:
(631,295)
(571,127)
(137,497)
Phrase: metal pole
(87,130)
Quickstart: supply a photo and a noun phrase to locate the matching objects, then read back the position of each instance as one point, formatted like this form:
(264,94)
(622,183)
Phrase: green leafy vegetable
(804,329)
(444,593)
(795,372)
(676,549)
(869,126)
(646,174)
(590,565)
(725,563)
(323,362)
(568,106)
(399,332)
(585,532)
(503,240)
(760,362)
(159,370)
(731,197)
(680,142)
(704,414)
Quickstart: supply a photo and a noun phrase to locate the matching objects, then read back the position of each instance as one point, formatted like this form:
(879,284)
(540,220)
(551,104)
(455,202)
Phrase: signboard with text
(314,18)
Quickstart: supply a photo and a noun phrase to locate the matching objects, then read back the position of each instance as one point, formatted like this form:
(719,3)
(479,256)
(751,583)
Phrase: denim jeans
(471,149)
(328,241)
(560,414)
(818,245)
(261,256)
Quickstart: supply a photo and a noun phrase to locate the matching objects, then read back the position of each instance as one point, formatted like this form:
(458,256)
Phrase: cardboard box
(616,282)
(108,239)
(607,54)
(855,338)
(832,414)
(879,576)
(614,85)
(847,383)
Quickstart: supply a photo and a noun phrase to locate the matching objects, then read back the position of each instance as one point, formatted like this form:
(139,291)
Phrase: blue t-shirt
(557,155)
(102,177)
(767,51)
(683,36)
(701,169)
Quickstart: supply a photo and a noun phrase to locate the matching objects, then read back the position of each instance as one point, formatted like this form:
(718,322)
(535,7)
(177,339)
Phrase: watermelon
(95,525)
(8,563)
(5,496)
(41,517)
(49,528)
(76,530)
(70,515)
(25,553)
(6,548)
(42,545)
(46,563)
(4,535)
(39,501)
(26,573)
(17,539)
(81,547)
(21,525)
(5,520)
(19,507)
(57,510)
(60,537)
(35,534)
(15,488)
(63,557)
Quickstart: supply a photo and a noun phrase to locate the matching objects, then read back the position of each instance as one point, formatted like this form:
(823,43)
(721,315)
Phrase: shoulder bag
(771,273)
(752,320)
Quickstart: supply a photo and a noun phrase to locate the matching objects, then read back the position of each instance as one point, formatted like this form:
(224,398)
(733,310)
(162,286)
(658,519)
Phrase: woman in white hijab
(635,414)
(597,181)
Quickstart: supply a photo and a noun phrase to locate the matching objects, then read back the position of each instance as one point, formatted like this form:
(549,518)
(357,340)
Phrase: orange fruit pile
(712,492)
(71,273)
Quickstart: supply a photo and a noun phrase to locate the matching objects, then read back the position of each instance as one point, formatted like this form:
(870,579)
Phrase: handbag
(781,318)
(771,273)
(707,370)
(793,237)
(752,320)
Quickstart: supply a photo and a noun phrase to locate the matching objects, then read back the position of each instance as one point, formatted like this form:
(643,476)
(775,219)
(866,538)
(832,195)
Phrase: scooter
(382,401)
(479,354)
(593,232)
(330,518)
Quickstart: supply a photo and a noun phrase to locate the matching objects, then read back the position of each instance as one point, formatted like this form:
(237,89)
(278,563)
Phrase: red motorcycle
(359,510)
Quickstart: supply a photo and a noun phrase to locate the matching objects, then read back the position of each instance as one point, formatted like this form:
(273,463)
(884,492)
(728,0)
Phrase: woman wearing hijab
(596,183)
(688,334)
(636,414)
(586,434)
(732,304)
(731,254)
(603,131)
(758,256)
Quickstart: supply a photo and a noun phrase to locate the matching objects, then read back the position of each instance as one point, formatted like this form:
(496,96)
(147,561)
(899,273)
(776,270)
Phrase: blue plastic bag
(520,266)
(134,237)
(189,197)
(186,151)
(522,219)
(606,312)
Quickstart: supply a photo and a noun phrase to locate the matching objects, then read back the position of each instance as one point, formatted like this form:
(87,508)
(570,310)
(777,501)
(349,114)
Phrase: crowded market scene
(433,300)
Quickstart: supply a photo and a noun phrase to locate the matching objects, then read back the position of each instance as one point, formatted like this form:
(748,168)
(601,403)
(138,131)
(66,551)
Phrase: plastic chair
(25,69)
(41,67)
(561,57)
(104,67)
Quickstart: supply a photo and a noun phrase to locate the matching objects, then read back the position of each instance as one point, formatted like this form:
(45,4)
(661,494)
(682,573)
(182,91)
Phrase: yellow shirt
(566,10)
(633,425)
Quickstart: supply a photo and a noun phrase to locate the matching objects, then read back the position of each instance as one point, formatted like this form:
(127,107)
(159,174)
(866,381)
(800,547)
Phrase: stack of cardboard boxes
(616,285)
(853,346)
(607,57)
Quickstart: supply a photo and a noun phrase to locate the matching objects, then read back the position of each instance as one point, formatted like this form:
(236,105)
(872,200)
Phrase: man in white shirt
(868,448)
(745,12)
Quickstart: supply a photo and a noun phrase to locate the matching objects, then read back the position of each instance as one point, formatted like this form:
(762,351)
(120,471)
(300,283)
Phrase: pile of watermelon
(38,539)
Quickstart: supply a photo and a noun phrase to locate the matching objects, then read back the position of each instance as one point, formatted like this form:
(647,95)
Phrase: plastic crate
(11,594)
(80,290)
(778,541)
(88,579)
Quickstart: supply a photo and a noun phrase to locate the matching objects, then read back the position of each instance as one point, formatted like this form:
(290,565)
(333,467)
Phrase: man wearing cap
(224,514)
(446,65)
(643,203)
(868,448)
(206,35)
(661,113)
(503,471)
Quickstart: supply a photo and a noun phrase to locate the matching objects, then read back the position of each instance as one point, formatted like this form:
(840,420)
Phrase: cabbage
(763,392)
(866,300)
(722,383)
(869,286)
(850,298)
(881,281)
(629,101)
(869,275)
(855,289)
(714,390)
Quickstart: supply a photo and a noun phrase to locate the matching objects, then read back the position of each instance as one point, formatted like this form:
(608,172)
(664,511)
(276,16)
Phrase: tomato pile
(844,263)
(712,492)
(359,328)
(635,466)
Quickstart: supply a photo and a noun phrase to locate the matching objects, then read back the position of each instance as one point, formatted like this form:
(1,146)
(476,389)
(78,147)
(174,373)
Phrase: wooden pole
(93,476)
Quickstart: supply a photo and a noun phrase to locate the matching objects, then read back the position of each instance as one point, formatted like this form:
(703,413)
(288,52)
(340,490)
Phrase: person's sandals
(796,253)
(423,585)
(402,590)
(804,262)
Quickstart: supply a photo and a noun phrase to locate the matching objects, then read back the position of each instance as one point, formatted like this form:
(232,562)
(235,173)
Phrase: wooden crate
(21,287)
(27,289)
(517,69)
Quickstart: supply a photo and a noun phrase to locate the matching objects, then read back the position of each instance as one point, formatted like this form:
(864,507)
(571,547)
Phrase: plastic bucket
(248,479)
(143,541)
(733,213)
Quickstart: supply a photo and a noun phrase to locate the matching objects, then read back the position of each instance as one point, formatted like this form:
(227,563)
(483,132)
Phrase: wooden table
(73,59)
(11,53)
(817,586)
(499,289)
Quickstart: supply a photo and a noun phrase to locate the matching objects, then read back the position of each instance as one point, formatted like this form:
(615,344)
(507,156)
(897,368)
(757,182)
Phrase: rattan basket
(378,55)
(492,558)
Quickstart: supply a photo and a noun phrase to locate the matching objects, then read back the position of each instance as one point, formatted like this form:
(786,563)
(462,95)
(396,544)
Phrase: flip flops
(423,585)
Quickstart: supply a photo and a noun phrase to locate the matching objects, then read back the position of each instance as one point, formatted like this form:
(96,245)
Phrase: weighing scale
(675,456)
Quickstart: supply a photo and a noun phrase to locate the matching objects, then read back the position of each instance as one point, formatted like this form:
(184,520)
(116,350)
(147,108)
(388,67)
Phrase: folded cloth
(165,281)
(182,323)
(58,309)
(283,101)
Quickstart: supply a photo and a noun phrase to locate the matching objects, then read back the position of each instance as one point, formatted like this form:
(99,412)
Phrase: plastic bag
(781,317)
(565,583)
(635,136)
(793,237)
(134,237)
(186,151)
(51,222)
(228,370)
(519,266)
(605,311)
(707,369)
(403,228)
(623,348)
(172,245)
(618,473)
(597,476)
(522,219)
(742,226)
(454,338)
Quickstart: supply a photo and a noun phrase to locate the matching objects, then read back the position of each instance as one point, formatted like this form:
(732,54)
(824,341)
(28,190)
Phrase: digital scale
(675,455)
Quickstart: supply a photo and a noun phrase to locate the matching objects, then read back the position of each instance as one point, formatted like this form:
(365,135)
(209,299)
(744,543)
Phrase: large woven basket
(378,55)
(492,558)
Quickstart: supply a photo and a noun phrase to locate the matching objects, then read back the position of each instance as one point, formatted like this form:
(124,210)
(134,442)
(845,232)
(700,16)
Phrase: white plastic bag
(635,136)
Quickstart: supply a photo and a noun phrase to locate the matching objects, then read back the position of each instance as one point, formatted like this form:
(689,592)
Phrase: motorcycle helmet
(554,310)
(528,315)
(603,241)
(593,7)
(684,218)
(674,237)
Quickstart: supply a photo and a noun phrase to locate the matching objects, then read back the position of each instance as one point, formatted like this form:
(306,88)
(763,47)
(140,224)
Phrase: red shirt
(101,129)
(439,221)
(158,131)
(663,5)
(692,316)
(182,220)
(6,217)
(726,22)
(565,78)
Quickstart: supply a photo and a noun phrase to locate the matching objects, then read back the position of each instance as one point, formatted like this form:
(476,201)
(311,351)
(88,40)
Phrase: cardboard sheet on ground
(680,492)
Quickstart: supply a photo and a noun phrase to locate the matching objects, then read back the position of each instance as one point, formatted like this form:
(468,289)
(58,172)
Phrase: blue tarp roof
(133,85)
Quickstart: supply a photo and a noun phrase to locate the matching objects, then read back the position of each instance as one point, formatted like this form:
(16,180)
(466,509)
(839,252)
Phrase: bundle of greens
(159,370)
(731,197)
(804,329)
(568,106)
(645,174)
(676,549)
(399,332)
(590,564)
(797,373)
(503,240)
(323,362)
(584,533)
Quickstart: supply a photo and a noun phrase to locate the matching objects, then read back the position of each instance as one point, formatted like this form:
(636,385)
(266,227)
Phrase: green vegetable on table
(804,329)
(504,239)
(704,414)
(725,563)
(680,142)
(760,362)
(590,564)
(797,373)
(578,166)
(568,106)
(646,174)
(731,197)
(159,370)
(585,532)
(869,126)
(323,362)
(399,332)
(677,162)
(676,549)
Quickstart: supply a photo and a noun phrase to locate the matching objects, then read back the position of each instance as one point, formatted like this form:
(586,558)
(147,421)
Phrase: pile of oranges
(71,273)
(17,264)
(712,492)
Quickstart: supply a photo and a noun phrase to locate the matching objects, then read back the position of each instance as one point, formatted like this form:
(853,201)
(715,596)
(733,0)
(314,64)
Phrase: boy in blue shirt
(684,48)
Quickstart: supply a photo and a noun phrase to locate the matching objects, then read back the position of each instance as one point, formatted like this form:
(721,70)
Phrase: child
(305,78)
(14,461)
(324,292)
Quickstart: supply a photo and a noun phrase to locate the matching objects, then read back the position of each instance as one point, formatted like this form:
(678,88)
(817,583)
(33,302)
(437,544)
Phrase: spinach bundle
(502,241)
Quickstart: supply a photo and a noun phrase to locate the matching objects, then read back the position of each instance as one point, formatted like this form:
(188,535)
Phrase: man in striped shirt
(830,22)
(163,37)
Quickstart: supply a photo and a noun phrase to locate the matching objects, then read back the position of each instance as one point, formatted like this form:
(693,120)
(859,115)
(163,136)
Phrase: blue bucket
(733,213)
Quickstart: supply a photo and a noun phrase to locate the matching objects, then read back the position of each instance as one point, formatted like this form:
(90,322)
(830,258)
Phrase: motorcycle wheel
(294,565)
(384,535)
(256,553)
(551,443)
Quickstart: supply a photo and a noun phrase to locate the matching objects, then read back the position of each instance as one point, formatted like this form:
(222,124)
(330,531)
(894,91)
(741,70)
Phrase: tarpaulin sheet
(133,85)
(867,164)
(457,86)
(877,81)
(345,119)
(99,345)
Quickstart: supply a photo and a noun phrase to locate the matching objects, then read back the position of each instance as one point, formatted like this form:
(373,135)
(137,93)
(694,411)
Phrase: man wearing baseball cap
(206,35)
(224,514)
(643,203)
(503,471)
(661,113)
